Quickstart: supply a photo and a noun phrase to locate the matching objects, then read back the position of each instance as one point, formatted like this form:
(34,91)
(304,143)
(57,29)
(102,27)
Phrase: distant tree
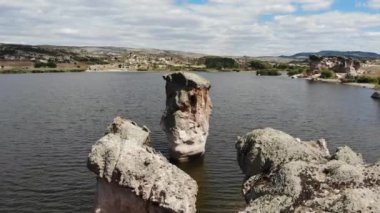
(51,64)
(315,57)
(120,66)
(220,63)
(2,66)
(326,73)
(260,65)
(367,80)
(39,64)
(296,71)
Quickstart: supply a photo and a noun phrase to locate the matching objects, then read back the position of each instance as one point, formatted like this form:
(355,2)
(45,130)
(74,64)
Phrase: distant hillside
(351,54)
(14,49)
(18,58)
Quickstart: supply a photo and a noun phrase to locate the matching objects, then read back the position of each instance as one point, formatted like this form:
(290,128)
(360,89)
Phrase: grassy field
(39,70)
(28,67)
(373,70)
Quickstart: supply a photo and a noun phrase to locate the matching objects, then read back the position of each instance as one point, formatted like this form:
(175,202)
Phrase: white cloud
(316,5)
(227,27)
(374,4)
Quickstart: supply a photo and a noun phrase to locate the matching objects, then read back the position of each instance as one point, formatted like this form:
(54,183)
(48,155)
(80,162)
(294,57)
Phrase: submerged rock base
(284,174)
(186,117)
(133,177)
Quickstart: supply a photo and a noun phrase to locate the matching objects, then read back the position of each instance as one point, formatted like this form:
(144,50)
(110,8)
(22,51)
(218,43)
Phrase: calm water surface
(48,123)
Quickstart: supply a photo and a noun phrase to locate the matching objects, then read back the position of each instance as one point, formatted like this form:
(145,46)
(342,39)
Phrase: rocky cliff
(133,177)
(186,117)
(285,174)
(349,66)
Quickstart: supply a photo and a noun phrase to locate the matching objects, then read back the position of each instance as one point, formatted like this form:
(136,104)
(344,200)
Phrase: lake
(48,123)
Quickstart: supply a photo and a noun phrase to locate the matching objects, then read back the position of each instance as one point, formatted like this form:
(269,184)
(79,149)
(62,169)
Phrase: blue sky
(341,5)
(221,27)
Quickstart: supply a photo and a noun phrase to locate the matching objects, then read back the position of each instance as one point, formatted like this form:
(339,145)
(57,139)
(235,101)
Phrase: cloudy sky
(223,27)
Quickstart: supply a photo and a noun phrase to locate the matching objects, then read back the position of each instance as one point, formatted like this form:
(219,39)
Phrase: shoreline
(36,71)
(336,81)
(132,71)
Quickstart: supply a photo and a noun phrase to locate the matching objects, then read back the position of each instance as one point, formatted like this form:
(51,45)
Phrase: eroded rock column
(186,117)
(133,177)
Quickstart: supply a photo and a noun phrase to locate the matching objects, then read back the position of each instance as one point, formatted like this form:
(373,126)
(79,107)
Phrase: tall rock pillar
(186,117)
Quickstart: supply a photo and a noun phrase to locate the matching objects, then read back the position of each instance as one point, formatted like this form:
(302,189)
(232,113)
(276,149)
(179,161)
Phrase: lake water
(48,123)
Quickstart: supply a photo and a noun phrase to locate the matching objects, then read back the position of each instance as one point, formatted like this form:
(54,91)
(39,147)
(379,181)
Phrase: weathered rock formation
(133,177)
(186,117)
(284,174)
(376,95)
(350,67)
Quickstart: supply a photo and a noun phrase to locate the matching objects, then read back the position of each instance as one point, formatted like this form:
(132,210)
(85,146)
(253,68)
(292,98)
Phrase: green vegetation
(40,70)
(363,80)
(93,61)
(296,71)
(220,63)
(268,72)
(292,69)
(90,60)
(49,64)
(266,68)
(174,68)
(260,65)
(326,73)
(315,57)
(368,80)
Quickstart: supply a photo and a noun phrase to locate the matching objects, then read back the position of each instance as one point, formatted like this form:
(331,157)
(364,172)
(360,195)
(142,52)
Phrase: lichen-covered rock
(347,155)
(186,117)
(286,175)
(133,177)
(263,149)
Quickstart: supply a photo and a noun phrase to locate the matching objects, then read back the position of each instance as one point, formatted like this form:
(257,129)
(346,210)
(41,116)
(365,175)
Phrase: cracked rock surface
(284,174)
(186,117)
(133,177)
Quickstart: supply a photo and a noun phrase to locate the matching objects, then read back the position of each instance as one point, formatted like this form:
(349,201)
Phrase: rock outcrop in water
(133,177)
(350,67)
(186,117)
(284,174)
(376,95)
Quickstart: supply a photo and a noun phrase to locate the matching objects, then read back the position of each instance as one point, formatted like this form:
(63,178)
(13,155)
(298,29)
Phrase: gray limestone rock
(263,149)
(286,175)
(350,67)
(133,177)
(186,117)
(346,154)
